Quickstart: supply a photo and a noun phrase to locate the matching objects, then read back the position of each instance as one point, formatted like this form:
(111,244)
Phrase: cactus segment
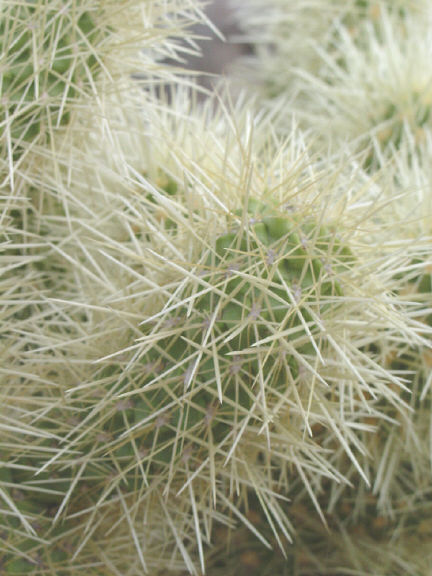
(270,273)
(47,56)
(203,376)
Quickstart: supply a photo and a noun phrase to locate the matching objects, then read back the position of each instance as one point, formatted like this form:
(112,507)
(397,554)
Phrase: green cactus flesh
(37,560)
(395,121)
(27,555)
(46,56)
(202,375)
(272,274)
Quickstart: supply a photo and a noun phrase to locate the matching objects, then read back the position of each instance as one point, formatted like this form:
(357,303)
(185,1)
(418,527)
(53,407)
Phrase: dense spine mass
(214,339)
(48,61)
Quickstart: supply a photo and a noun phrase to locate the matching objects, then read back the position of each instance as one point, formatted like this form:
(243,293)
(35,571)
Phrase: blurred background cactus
(215,325)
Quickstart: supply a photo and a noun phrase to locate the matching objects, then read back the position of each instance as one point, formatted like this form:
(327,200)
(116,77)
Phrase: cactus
(57,58)
(221,347)
(213,341)
(366,64)
(294,43)
(48,59)
(56,61)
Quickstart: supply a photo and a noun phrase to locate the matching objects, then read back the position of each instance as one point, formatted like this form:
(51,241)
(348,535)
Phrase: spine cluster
(214,323)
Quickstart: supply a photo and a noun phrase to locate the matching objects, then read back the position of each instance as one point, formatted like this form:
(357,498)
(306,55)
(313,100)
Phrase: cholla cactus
(292,38)
(212,327)
(412,173)
(218,335)
(56,60)
(379,91)
(55,56)
(365,63)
